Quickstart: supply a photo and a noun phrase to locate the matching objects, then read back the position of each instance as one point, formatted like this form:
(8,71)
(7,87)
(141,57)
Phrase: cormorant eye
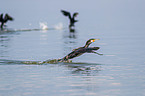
(92,40)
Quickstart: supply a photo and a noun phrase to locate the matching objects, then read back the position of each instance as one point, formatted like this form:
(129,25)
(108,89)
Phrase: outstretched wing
(73,54)
(77,48)
(1,17)
(75,14)
(79,51)
(92,48)
(8,17)
(65,13)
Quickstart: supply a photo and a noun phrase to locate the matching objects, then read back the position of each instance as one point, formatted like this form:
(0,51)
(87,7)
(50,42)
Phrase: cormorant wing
(65,13)
(86,49)
(92,48)
(74,54)
(1,17)
(75,14)
(8,17)
(77,49)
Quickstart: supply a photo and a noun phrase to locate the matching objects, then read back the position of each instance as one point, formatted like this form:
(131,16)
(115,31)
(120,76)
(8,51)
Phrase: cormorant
(71,18)
(81,50)
(5,19)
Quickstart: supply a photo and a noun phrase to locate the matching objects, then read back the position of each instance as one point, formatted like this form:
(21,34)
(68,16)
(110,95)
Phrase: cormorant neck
(87,45)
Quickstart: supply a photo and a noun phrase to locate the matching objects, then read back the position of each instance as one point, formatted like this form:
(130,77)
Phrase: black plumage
(5,19)
(81,50)
(71,18)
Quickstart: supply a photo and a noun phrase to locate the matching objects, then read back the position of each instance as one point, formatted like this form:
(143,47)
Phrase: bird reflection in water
(72,21)
(72,33)
(70,39)
(88,69)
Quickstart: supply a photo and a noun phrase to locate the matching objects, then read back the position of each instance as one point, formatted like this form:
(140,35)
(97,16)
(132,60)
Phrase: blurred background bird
(71,18)
(5,19)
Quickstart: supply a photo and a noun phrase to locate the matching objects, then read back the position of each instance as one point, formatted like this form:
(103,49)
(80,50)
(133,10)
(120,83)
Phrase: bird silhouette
(81,50)
(5,19)
(71,18)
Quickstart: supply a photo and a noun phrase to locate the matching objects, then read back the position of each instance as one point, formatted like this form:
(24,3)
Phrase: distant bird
(5,19)
(81,50)
(71,18)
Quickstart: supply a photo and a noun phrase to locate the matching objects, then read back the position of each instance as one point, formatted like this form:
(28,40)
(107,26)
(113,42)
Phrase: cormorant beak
(95,40)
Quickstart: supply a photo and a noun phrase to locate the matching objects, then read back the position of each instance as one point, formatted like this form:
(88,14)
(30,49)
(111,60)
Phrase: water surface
(40,32)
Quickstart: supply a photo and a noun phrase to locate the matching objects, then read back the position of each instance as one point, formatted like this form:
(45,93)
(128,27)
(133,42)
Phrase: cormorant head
(90,41)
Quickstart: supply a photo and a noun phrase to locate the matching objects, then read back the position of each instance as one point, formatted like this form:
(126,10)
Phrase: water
(39,33)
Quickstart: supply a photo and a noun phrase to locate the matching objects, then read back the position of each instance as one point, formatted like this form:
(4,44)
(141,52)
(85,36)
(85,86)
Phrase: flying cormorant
(71,18)
(5,19)
(81,50)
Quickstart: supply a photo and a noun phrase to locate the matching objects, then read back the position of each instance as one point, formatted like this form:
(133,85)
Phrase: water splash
(59,26)
(50,61)
(43,25)
(53,61)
